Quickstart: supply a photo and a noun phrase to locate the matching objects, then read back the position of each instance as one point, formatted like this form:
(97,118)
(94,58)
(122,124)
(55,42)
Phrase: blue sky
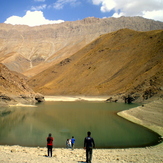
(38,12)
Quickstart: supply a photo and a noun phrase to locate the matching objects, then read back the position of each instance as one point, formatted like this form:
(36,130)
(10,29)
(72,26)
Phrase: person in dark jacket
(50,144)
(89,144)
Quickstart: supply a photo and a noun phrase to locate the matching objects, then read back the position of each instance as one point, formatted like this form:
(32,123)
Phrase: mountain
(30,50)
(14,89)
(124,62)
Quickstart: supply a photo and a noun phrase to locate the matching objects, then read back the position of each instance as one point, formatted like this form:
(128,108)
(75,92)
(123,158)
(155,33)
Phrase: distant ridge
(30,50)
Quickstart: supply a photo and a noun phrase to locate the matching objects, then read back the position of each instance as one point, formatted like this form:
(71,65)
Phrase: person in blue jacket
(72,142)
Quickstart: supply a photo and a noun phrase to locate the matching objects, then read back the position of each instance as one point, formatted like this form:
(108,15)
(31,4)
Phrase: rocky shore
(17,154)
(149,115)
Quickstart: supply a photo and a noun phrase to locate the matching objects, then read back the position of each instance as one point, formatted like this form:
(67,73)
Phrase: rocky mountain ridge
(69,62)
(123,63)
(14,88)
(30,50)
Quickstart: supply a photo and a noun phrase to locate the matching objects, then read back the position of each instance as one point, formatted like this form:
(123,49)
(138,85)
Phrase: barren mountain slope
(30,50)
(120,62)
(13,88)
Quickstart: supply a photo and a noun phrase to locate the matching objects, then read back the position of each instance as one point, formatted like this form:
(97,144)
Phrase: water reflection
(30,126)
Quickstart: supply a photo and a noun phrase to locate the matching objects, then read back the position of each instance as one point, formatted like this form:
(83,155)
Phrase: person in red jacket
(50,144)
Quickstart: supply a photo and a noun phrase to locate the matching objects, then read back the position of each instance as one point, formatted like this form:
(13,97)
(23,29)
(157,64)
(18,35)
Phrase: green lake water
(29,126)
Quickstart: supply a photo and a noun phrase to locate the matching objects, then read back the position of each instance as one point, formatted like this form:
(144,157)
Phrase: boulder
(39,97)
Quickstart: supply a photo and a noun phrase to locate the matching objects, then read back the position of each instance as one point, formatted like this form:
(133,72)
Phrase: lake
(29,126)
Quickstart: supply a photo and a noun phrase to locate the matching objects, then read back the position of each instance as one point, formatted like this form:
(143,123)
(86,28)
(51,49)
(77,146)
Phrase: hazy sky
(38,12)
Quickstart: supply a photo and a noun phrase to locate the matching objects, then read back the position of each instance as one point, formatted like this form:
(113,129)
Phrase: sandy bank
(22,105)
(76,98)
(148,115)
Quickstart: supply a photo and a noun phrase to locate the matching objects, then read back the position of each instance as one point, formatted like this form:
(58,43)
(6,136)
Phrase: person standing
(50,144)
(89,144)
(72,142)
(68,143)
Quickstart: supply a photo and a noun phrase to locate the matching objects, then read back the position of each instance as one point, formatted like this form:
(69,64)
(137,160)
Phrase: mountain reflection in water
(29,126)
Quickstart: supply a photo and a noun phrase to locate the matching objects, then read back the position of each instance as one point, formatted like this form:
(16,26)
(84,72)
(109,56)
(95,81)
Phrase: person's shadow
(82,162)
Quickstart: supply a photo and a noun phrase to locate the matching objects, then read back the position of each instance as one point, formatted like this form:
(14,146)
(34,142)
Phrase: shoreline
(149,115)
(22,105)
(76,98)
